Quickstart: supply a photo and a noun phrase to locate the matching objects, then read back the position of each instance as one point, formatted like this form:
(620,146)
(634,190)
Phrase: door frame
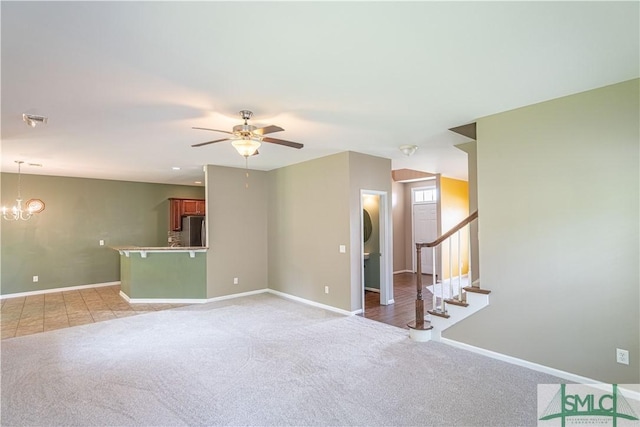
(386,248)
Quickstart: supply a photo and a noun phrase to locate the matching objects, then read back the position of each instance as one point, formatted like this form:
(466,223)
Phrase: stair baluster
(459,295)
(441,318)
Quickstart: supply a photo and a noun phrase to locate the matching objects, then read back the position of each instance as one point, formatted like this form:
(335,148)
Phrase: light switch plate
(343,249)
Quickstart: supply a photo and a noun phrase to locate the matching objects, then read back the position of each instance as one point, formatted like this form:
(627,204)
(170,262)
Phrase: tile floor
(39,313)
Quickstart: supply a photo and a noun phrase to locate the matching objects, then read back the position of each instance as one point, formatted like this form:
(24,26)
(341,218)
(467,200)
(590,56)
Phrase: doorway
(424,209)
(376,261)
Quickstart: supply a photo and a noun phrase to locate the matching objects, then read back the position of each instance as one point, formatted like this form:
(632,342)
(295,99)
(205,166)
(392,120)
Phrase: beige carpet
(258,360)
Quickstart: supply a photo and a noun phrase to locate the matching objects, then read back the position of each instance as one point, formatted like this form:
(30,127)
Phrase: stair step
(438,313)
(456,302)
(476,290)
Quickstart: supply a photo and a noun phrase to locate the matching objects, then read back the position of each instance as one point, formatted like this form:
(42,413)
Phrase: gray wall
(472,163)
(399,206)
(308,221)
(60,245)
(314,207)
(558,196)
(237,230)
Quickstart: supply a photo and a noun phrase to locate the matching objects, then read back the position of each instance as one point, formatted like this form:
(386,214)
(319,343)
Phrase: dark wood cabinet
(192,207)
(181,207)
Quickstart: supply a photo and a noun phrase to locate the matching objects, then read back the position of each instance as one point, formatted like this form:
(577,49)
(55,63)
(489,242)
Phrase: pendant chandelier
(16,212)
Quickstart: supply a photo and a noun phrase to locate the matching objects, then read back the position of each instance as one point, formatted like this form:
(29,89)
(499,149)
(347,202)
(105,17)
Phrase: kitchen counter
(163,274)
(144,250)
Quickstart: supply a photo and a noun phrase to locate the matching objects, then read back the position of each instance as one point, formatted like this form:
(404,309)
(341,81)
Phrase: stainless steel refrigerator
(193,231)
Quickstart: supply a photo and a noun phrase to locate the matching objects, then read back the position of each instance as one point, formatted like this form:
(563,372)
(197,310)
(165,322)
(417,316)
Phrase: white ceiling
(123,83)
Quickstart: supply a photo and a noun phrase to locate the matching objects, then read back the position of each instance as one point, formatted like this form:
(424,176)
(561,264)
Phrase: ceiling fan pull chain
(246,167)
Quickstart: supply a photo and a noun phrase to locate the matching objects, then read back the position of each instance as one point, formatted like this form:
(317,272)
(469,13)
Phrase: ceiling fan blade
(210,142)
(283,142)
(215,130)
(267,129)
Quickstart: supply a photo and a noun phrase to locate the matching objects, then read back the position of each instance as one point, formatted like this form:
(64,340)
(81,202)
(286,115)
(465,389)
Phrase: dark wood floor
(403,310)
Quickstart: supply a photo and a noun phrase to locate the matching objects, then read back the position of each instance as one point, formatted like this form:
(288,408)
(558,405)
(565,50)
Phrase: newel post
(418,331)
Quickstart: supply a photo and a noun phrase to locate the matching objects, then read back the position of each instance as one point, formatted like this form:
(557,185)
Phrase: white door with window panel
(425,229)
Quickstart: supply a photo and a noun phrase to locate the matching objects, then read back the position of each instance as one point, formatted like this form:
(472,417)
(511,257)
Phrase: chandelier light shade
(246,146)
(16,212)
(408,150)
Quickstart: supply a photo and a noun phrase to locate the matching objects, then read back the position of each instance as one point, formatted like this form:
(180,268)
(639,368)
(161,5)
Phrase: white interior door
(425,229)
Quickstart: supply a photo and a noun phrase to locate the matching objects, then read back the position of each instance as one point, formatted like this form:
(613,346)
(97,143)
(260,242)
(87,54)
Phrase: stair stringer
(457,313)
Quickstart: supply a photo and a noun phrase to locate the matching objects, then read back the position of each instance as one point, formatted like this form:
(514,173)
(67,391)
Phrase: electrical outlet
(343,249)
(235,281)
(622,356)
(101,242)
(326,289)
(35,278)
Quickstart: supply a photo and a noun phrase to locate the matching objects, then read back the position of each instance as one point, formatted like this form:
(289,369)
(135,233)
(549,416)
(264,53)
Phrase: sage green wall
(60,245)
(164,275)
(374,174)
(558,196)
(308,221)
(236,230)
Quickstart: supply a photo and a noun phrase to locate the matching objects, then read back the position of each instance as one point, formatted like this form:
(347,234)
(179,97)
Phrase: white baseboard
(533,366)
(188,300)
(238,295)
(372,289)
(54,290)
(163,300)
(184,300)
(313,303)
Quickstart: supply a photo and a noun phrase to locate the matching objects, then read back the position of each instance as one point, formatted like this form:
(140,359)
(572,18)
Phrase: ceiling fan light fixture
(246,146)
(408,150)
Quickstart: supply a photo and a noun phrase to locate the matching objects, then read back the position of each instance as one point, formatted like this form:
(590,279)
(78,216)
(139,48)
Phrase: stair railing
(448,237)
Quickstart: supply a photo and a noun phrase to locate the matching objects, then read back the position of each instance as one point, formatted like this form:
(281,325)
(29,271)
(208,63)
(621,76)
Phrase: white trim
(386,246)
(313,303)
(239,295)
(53,290)
(531,365)
(162,300)
(376,290)
(145,251)
(403,271)
(188,300)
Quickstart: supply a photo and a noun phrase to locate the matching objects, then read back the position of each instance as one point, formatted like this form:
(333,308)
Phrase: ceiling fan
(247,138)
